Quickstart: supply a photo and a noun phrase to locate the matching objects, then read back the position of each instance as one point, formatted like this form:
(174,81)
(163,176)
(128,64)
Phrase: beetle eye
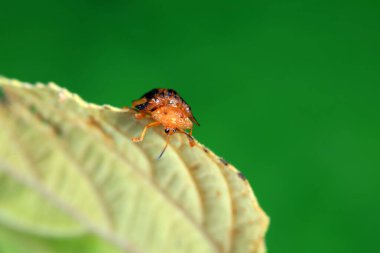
(167,130)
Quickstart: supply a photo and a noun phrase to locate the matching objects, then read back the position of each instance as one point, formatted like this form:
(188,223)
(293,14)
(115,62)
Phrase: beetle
(167,108)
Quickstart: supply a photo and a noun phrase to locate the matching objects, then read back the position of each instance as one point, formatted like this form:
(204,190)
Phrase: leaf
(72,180)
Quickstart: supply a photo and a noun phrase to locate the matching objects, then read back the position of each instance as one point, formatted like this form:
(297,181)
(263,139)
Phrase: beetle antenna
(194,120)
(166,145)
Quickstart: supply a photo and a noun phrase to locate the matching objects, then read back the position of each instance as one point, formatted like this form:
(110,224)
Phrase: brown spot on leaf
(195,167)
(56,128)
(223,161)
(241,175)
(97,125)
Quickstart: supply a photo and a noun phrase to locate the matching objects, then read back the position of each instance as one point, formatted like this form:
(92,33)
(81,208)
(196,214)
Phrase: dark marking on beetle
(150,94)
(172,92)
(153,109)
(241,175)
(206,150)
(141,106)
(223,161)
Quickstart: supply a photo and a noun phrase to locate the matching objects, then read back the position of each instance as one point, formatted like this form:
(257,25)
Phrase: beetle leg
(191,139)
(189,136)
(191,142)
(152,124)
(139,115)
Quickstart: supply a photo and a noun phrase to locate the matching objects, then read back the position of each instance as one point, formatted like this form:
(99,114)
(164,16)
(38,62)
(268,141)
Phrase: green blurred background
(287,91)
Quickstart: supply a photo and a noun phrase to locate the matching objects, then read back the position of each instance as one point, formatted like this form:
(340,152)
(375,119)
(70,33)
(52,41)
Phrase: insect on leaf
(71,178)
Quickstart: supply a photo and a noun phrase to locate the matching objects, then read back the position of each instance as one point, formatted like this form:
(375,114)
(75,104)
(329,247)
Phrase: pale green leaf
(73,181)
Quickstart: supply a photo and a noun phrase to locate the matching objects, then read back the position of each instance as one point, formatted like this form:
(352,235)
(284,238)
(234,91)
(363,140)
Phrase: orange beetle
(167,108)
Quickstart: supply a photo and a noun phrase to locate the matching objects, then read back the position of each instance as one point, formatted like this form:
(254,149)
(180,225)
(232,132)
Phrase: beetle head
(170,131)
